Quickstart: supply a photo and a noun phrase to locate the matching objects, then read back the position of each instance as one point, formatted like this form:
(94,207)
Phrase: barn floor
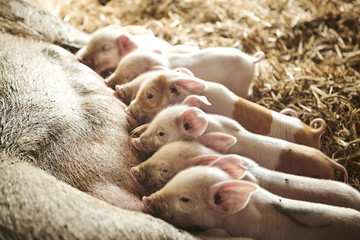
(312,53)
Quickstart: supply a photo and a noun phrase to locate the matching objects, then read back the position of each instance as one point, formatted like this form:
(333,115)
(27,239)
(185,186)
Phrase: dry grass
(312,52)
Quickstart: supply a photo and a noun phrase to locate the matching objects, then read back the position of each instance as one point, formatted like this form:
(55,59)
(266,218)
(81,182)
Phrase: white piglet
(182,122)
(228,66)
(174,157)
(209,198)
(164,88)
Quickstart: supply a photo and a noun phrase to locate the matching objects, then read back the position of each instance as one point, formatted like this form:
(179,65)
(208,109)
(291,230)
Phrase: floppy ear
(193,122)
(191,85)
(196,100)
(125,43)
(230,197)
(217,141)
(233,164)
(204,159)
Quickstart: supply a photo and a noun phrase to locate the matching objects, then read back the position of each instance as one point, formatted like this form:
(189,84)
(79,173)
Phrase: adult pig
(58,119)
(174,157)
(228,66)
(182,122)
(209,198)
(163,88)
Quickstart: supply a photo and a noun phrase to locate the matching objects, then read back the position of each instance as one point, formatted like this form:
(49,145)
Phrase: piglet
(228,66)
(107,46)
(144,29)
(173,157)
(209,198)
(165,88)
(182,122)
(170,159)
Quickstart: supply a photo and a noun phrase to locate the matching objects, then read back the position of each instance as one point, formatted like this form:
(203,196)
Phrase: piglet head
(178,122)
(169,88)
(195,198)
(150,99)
(170,159)
(152,175)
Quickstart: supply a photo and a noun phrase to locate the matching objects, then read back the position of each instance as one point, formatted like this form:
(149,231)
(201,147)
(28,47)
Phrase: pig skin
(209,198)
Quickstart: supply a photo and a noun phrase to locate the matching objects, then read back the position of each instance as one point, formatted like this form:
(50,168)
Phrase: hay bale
(312,52)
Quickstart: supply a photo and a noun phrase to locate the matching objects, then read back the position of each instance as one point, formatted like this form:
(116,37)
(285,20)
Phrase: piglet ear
(191,85)
(204,159)
(196,100)
(193,122)
(126,43)
(229,197)
(233,164)
(217,141)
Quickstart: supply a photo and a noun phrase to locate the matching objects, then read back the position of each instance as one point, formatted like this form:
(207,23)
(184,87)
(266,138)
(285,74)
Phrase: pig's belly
(58,115)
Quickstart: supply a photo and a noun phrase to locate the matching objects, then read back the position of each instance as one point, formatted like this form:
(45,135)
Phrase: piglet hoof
(138,131)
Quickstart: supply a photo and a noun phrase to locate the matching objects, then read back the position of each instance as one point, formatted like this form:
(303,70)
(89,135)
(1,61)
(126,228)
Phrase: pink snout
(147,204)
(135,142)
(136,173)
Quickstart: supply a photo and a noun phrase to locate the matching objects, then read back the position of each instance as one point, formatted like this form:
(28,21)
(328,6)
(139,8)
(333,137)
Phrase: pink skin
(209,198)
(107,46)
(178,85)
(174,157)
(134,64)
(228,66)
(182,122)
(157,170)
(142,61)
(144,29)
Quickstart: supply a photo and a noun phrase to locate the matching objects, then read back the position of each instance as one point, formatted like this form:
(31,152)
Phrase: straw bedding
(312,52)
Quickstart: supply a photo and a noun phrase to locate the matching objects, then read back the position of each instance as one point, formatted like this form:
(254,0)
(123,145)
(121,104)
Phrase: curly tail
(260,55)
(155,23)
(321,128)
(342,169)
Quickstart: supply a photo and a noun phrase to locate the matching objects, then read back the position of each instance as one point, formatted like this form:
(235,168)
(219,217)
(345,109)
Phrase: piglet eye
(150,96)
(161,133)
(174,90)
(165,170)
(185,199)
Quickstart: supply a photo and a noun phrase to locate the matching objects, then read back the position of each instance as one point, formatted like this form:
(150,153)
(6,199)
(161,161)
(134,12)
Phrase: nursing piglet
(209,198)
(144,29)
(162,89)
(182,122)
(174,157)
(108,45)
(228,66)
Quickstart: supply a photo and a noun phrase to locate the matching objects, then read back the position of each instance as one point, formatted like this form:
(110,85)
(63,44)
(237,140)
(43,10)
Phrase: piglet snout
(119,91)
(147,204)
(135,142)
(136,173)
